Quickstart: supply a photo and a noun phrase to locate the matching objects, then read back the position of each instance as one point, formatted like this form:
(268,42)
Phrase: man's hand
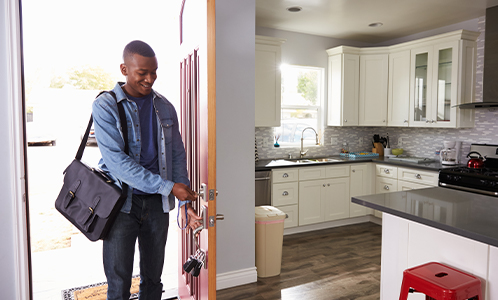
(193,218)
(183,192)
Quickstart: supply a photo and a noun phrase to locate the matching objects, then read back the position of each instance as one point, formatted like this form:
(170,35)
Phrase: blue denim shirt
(127,168)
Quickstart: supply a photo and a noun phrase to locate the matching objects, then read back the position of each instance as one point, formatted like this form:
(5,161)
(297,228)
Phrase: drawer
(386,171)
(309,173)
(408,185)
(337,171)
(284,175)
(285,193)
(385,185)
(417,176)
(292,215)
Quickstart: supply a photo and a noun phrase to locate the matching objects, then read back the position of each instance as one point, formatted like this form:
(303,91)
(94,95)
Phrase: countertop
(466,214)
(268,164)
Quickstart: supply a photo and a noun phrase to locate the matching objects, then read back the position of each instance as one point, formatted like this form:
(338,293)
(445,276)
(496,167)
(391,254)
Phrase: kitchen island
(437,224)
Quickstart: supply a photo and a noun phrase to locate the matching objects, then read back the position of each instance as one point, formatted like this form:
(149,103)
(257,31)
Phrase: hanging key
(191,262)
(197,268)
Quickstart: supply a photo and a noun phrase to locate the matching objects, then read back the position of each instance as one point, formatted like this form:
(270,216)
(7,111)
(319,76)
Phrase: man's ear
(124,70)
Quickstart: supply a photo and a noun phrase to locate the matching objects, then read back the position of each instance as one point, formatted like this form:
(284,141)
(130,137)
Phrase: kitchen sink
(326,159)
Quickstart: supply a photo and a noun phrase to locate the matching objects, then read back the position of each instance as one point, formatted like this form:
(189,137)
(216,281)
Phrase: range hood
(490,73)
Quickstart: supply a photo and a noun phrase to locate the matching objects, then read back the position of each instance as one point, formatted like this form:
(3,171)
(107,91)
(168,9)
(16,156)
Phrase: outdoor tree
(307,86)
(85,78)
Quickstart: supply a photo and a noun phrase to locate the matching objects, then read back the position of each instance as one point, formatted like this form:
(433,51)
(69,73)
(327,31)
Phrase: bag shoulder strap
(124,129)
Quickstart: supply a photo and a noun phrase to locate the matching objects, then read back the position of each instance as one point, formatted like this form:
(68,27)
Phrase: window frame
(319,108)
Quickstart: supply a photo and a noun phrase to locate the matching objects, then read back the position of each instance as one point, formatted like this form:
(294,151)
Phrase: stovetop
(483,181)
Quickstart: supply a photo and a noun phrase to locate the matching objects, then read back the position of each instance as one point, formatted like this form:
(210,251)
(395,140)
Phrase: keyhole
(442,274)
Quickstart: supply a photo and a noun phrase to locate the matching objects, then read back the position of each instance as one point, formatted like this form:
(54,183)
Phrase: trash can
(269,238)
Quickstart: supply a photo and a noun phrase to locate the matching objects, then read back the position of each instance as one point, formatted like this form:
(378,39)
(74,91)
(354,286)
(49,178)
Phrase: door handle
(202,192)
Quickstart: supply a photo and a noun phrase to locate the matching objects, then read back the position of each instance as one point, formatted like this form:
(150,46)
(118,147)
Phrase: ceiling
(349,19)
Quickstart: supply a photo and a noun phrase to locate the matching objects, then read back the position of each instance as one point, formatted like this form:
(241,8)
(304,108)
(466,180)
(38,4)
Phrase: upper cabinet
(344,86)
(268,81)
(398,93)
(373,89)
(416,83)
(442,76)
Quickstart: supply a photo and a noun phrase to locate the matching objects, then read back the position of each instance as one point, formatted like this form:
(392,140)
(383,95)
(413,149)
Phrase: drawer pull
(386,171)
(324,185)
(386,187)
(353,171)
(418,176)
(285,175)
(285,193)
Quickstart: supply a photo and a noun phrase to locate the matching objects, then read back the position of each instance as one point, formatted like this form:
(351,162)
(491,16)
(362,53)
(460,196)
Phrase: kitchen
(420,142)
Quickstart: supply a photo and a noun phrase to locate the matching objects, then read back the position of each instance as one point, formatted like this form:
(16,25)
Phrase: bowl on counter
(397,151)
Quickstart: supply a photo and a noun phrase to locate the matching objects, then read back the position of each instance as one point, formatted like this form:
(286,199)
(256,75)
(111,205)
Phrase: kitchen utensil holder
(378,148)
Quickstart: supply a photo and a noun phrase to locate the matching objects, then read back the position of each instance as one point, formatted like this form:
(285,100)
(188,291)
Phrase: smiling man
(155,170)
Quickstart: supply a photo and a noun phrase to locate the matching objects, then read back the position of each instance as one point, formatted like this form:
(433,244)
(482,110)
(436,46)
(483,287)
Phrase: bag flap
(93,186)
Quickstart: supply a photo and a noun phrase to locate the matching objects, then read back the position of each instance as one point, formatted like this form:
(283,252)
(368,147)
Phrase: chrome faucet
(303,153)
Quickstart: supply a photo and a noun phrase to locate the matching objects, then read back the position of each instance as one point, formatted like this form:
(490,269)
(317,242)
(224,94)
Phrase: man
(155,170)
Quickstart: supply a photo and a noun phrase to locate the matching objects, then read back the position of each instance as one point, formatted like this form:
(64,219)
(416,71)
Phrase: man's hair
(138,47)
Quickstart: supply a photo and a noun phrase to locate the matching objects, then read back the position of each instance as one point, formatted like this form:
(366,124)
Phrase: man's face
(140,72)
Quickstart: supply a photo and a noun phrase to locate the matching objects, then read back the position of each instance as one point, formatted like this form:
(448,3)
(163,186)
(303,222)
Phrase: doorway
(71,52)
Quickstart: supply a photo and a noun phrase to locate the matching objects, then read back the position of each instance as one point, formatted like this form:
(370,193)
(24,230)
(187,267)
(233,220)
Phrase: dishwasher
(263,188)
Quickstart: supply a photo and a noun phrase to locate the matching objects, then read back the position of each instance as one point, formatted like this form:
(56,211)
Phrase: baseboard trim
(236,278)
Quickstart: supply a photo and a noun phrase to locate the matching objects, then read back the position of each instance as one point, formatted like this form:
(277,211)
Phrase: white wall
(235,71)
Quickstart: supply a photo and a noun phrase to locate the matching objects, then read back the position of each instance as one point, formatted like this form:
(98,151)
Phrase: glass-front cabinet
(433,89)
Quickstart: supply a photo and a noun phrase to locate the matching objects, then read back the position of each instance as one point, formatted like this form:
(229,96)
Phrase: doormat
(98,291)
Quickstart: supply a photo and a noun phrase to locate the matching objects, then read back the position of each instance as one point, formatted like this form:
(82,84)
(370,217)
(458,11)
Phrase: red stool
(438,281)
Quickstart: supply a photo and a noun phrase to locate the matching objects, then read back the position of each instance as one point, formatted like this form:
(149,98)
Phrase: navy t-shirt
(148,132)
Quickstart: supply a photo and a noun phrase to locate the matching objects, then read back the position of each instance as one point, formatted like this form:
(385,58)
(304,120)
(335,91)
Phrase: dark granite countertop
(466,214)
(268,164)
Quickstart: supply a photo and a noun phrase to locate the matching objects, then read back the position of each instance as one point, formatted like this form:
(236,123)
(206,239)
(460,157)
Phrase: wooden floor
(335,264)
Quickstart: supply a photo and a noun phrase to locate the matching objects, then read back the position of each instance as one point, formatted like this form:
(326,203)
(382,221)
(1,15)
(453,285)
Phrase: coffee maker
(450,155)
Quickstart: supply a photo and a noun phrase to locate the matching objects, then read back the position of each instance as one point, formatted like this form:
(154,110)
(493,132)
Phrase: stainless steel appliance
(478,180)
(450,155)
(263,188)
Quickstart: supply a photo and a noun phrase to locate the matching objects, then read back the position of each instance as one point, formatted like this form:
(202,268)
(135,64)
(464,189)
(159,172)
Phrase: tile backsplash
(415,141)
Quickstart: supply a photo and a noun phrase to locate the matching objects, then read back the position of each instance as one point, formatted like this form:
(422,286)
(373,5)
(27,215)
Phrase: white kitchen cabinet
(337,199)
(398,95)
(442,76)
(323,199)
(386,171)
(312,201)
(292,215)
(268,81)
(343,86)
(407,185)
(360,184)
(285,194)
(373,90)
(428,178)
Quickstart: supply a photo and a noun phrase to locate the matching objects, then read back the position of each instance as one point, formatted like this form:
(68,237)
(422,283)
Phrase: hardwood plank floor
(336,264)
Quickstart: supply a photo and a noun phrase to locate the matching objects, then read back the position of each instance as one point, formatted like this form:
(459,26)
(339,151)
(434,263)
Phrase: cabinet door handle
(285,193)
(353,171)
(418,176)
(328,184)
(324,185)
(405,121)
(386,171)
(427,121)
(386,187)
(285,175)
(383,121)
(345,120)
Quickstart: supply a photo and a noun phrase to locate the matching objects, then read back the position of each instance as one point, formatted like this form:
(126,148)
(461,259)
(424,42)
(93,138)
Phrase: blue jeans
(147,222)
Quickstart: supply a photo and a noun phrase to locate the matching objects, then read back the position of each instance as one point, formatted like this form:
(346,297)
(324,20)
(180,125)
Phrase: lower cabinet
(360,177)
(322,200)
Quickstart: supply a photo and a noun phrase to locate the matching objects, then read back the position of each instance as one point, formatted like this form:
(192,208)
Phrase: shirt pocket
(167,127)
